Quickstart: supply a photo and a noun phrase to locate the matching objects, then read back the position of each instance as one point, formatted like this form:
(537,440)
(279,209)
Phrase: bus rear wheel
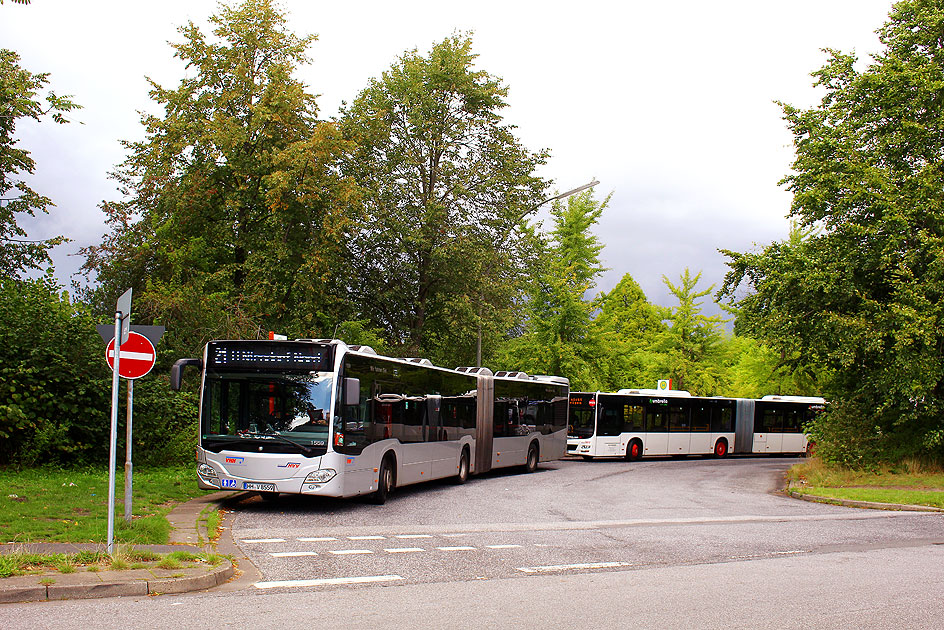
(634,451)
(531,464)
(463,475)
(721,449)
(385,482)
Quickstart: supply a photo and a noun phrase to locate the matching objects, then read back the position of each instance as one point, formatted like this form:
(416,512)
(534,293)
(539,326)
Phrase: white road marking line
(330,582)
(571,567)
(322,539)
(415,536)
(404,550)
(292,554)
(502,546)
(366,538)
(453,535)
(456,548)
(263,540)
(350,552)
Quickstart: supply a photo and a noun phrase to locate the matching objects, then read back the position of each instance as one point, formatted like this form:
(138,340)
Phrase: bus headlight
(206,470)
(323,475)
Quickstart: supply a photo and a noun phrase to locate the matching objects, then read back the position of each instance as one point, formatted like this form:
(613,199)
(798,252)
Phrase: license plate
(259,487)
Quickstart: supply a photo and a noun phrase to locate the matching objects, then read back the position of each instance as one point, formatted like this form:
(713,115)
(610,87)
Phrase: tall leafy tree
(628,327)
(443,244)
(234,207)
(690,345)
(21,99)
(863,299)
(559,336)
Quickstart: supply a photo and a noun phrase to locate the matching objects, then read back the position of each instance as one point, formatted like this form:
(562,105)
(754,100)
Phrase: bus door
(793,439)
(680,430)
(609,427)
(442,453)
(768,431)
(657,427)
(510,447)
(414,451)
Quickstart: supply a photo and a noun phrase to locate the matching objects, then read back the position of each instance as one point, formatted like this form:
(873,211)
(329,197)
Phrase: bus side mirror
(177,371)
(352,391)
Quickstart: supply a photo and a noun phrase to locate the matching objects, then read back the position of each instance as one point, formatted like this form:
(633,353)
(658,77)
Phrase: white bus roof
(800,399)
(655,392)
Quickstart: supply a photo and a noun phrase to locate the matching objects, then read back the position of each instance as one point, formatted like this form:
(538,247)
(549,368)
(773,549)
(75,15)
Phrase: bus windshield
(273,413)
(581,422)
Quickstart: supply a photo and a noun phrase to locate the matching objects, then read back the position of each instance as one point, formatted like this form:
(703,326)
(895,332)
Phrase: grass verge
(909,483)
(72,506)
(25,563)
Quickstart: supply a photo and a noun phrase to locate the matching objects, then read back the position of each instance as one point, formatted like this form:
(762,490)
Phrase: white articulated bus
(320,417)
(637,423)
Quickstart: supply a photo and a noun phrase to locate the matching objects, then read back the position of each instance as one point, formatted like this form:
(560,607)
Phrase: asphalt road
(670,543)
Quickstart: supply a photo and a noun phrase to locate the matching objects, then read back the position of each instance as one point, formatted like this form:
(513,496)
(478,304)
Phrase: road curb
(119,588)
(867,505)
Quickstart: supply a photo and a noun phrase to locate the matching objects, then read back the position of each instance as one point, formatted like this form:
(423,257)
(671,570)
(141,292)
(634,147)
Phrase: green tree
(628,327)
(234,210)
(690,345)
(861,300)
(20,99)
(559,337)
(444,245)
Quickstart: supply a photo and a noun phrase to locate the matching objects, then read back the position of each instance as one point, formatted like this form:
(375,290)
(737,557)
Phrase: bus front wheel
(634,451)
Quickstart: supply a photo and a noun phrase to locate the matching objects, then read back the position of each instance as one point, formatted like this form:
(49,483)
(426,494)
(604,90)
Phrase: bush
(55,388)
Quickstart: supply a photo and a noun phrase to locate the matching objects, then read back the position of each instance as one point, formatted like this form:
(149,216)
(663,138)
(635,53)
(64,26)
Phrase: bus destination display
(268,354)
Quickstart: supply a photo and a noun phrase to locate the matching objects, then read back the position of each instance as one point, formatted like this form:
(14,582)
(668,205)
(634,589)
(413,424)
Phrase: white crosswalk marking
(456,548)
(502,546)
(329,582)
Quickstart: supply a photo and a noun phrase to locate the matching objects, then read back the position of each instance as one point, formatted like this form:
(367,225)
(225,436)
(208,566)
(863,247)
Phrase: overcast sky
(670,105)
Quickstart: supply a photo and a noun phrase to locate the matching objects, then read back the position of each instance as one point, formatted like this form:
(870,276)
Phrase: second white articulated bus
(322,418)
(637,423)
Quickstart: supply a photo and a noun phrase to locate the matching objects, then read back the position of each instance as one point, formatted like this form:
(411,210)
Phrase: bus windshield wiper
(272,433)
(306,450)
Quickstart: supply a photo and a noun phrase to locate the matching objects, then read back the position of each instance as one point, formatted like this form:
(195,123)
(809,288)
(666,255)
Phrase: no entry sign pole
(128,466)
(122,330)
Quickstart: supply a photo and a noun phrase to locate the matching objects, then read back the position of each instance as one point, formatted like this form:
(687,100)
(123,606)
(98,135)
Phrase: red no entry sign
(137,356)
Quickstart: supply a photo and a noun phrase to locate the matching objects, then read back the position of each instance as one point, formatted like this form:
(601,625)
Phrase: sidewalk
(187,535)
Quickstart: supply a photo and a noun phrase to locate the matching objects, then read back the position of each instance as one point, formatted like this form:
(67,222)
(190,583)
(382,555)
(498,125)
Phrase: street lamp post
(478,345)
